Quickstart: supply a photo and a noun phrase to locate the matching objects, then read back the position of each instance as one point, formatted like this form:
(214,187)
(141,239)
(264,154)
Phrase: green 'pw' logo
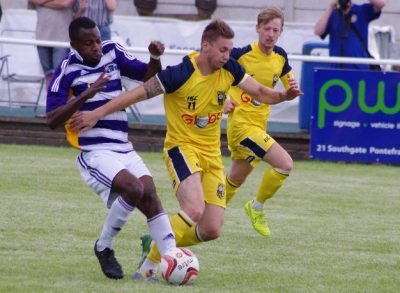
(325,106)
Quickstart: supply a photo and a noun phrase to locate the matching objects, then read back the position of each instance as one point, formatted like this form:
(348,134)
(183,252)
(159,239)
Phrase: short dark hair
(215,29)
(77,24)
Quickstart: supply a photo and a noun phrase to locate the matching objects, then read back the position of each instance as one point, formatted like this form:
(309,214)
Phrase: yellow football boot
(257,219)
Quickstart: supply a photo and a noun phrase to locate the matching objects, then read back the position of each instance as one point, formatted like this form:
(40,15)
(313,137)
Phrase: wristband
(154,57)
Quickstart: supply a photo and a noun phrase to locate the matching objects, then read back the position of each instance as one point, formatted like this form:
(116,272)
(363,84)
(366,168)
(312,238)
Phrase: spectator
(53,18)
(101,11)
(347,26)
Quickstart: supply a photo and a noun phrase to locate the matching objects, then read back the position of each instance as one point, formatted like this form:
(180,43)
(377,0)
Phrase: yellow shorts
(183,161)
(250,145)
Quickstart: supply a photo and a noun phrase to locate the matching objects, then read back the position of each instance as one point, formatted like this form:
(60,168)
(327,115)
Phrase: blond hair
(269,13)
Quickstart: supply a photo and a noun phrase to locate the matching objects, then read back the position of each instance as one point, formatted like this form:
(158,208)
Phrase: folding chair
(20,78)
(22,73)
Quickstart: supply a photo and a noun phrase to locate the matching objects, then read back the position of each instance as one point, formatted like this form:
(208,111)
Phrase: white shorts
(98,169)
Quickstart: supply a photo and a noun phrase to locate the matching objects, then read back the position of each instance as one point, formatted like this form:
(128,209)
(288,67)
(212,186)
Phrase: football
(179,266)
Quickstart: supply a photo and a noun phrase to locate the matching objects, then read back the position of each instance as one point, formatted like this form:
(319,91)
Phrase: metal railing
(292,57)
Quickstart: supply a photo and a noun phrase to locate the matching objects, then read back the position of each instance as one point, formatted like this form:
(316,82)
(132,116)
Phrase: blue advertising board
(356,116)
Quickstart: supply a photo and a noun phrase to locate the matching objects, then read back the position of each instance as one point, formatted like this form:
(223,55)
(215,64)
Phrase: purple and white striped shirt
(72,77)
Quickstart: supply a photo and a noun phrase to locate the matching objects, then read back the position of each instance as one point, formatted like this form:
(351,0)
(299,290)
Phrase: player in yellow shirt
(194,97)
(248,140)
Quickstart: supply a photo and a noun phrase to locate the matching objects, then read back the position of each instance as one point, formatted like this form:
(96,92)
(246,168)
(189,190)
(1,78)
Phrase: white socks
(161,232)
(117,217)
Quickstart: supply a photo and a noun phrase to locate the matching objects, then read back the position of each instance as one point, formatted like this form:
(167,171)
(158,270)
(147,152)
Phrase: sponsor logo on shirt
(247,99)
(202,121)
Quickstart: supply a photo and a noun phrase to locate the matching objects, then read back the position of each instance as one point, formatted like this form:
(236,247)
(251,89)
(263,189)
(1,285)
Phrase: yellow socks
(231,189)
(272,180)
(191,237)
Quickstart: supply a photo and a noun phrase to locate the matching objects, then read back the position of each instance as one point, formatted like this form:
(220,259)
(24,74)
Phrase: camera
(343,4)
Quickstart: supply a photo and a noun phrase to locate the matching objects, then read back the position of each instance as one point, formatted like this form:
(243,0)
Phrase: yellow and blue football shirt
(194,103)
(267,70)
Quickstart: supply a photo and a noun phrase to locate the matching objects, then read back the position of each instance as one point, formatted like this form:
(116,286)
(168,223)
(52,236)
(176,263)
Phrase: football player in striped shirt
(194,97)
(89,77)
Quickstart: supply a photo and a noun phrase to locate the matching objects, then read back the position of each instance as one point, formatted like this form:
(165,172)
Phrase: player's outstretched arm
(85,120)
(267,95)
(61,114)
(156,49)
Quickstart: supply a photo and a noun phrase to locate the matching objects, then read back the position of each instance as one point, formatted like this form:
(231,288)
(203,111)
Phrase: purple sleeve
(129,65)
(59,89)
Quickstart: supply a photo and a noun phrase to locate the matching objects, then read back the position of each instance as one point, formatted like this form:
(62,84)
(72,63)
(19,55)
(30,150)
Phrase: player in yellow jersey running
(248,140)
(194,97)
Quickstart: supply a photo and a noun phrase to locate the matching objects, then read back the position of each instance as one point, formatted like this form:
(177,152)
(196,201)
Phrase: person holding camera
(347,26)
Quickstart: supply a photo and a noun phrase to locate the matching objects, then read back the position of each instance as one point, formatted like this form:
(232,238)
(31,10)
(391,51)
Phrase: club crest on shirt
(221,97)
(111,68)
(275,80)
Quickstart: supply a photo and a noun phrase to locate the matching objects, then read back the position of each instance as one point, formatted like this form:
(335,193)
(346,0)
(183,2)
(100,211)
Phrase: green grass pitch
(335,228)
